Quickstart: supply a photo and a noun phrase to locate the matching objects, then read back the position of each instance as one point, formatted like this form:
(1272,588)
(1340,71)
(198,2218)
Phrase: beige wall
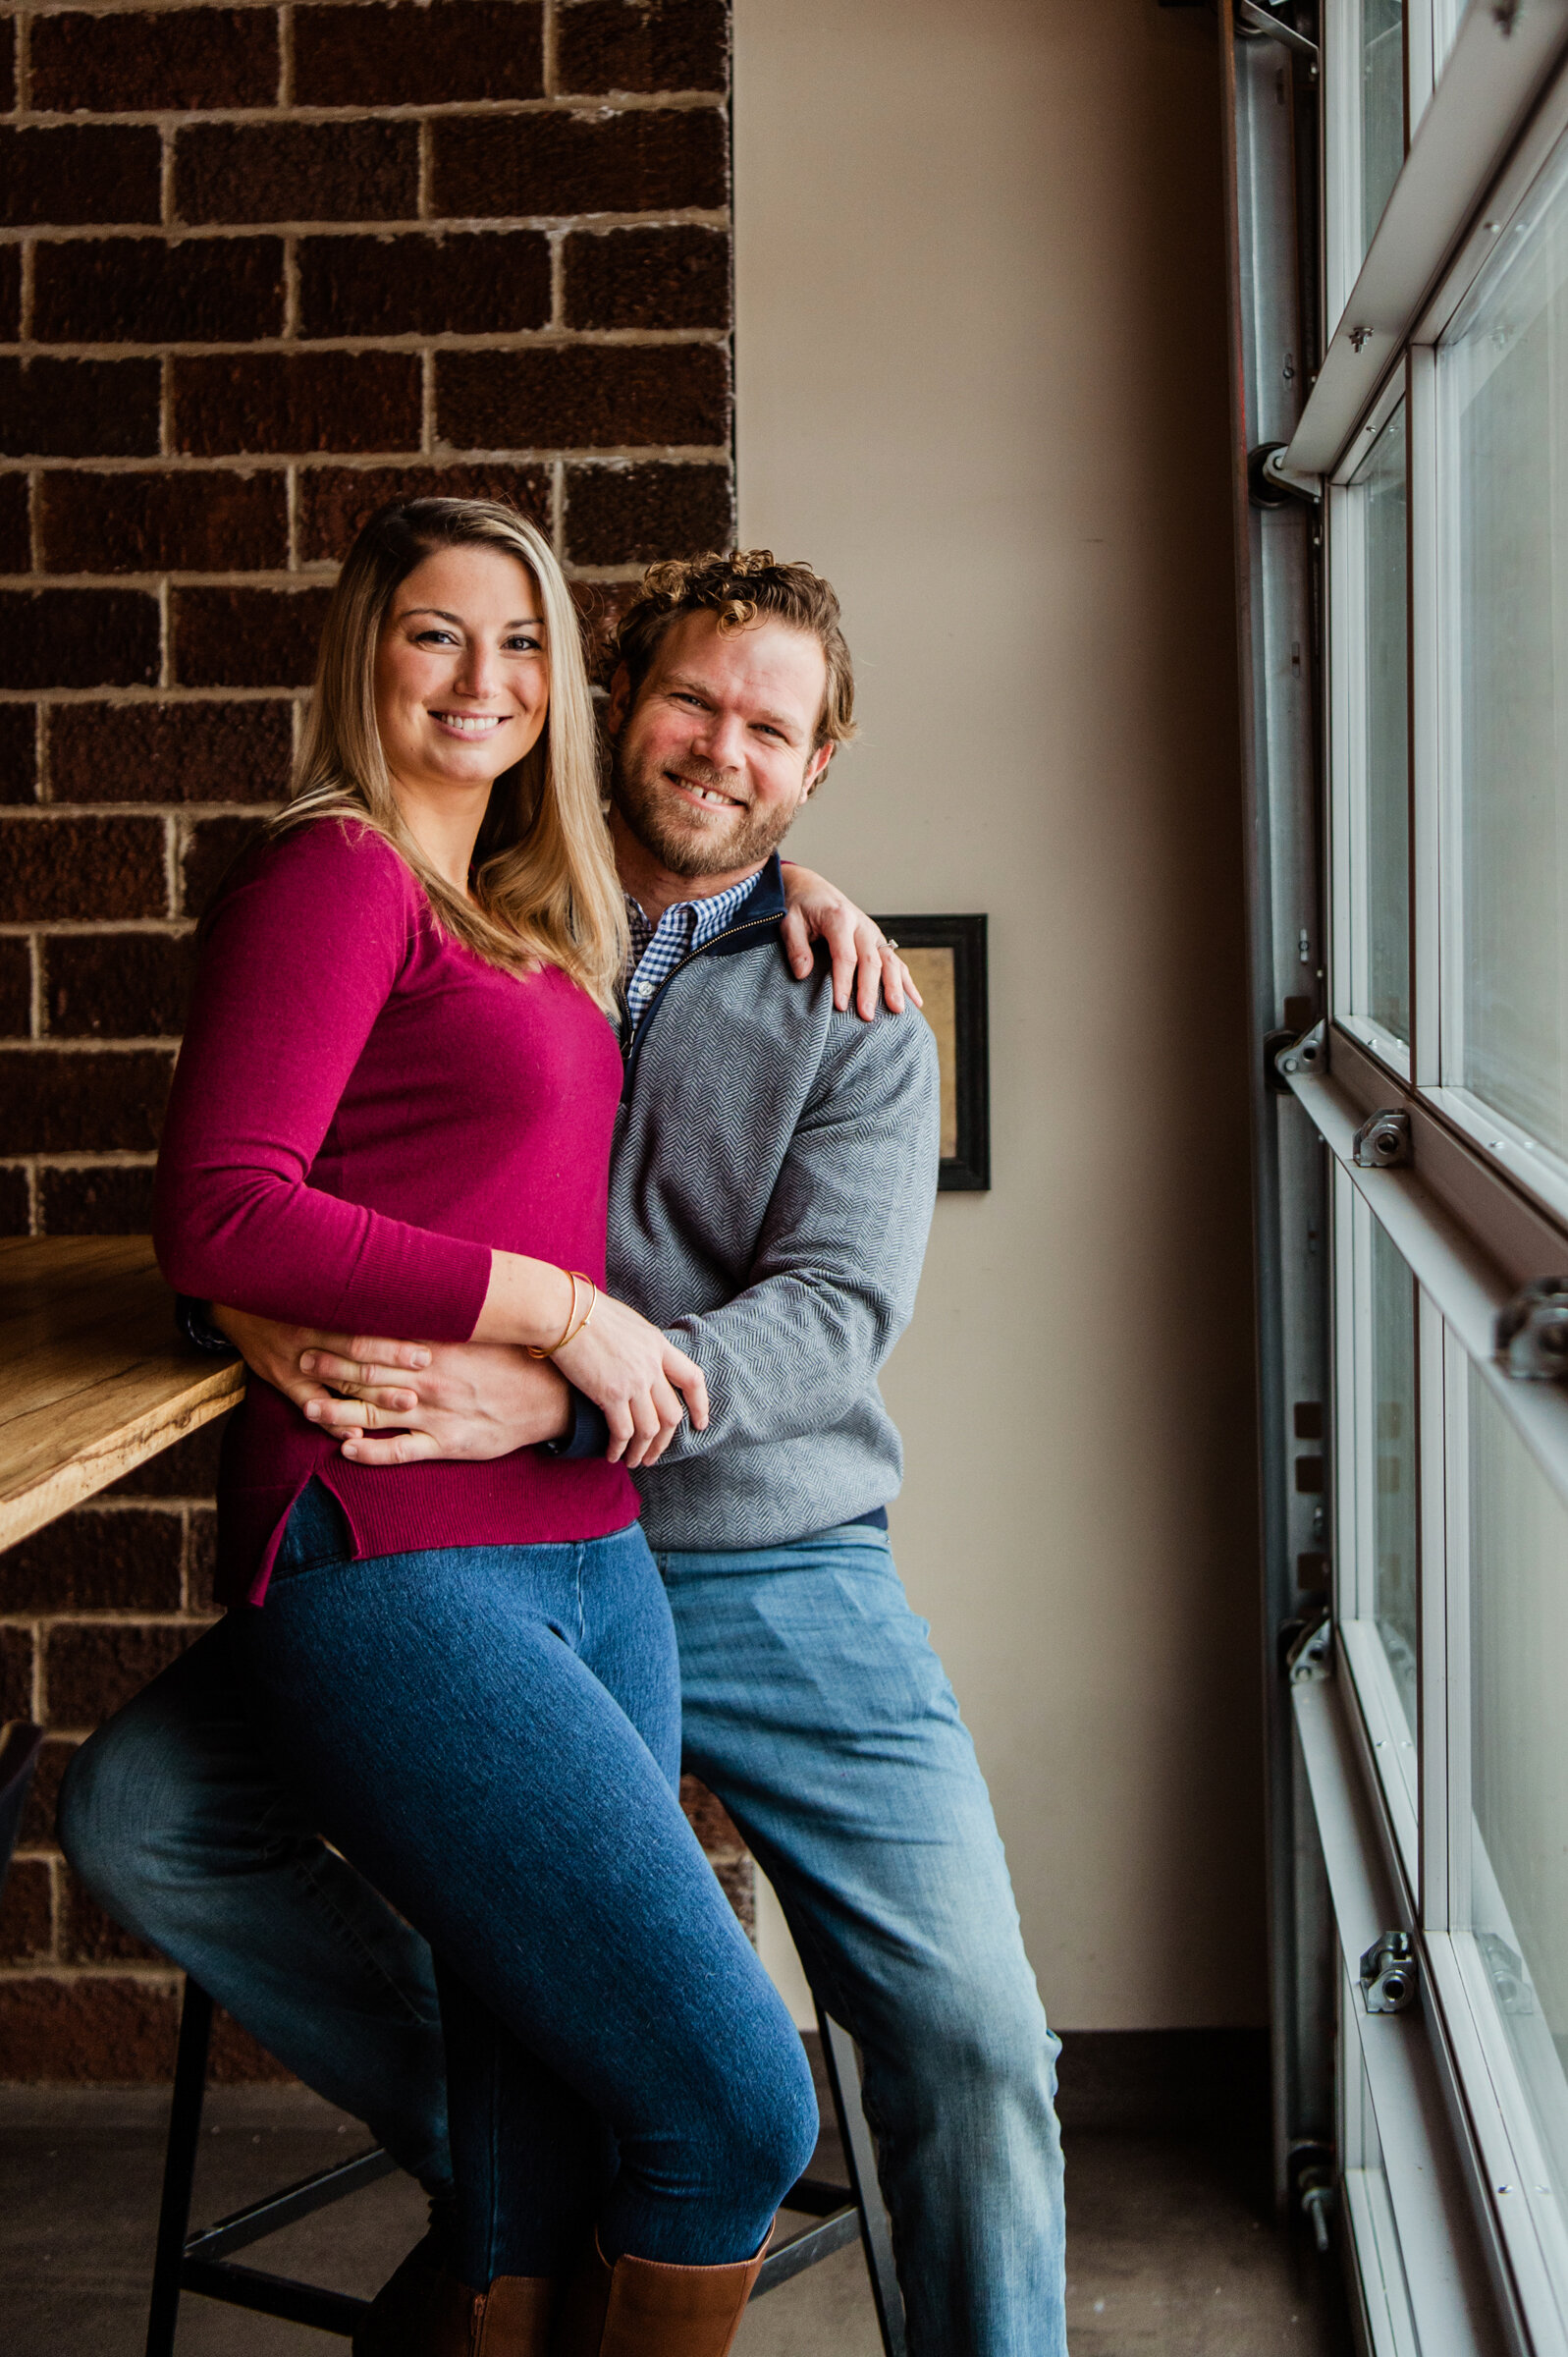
(982,385)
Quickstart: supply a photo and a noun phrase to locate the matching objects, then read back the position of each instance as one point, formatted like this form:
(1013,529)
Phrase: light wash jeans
(815,1708)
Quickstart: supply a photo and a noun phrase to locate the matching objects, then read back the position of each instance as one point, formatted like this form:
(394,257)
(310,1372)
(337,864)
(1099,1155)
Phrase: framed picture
(947,955)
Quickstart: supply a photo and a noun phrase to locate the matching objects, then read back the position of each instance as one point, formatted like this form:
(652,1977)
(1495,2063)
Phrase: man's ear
(817,768)
(619,700)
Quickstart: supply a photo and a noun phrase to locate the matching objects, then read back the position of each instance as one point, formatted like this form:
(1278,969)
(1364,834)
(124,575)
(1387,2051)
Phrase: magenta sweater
(362,1109)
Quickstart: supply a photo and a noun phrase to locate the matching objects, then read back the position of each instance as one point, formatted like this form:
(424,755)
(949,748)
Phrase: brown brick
(16,990)
(18,753)
(117,985)
(334,501)
(626,45)
(8,65)
(15,535)
(78,638)
(16,1674)
(10,294)
(89,1936)
(246,637)
(151,290)
(199,752)
(108,172)
(102,1199)
(26,1912)
(124,1559)
(337,401)
(648,278)
(213,847)
(419,56)
(135,62)
(107,2029)
(202,1559)
(583,397)
(91,1667)
(297,172)
(636,514)
(187,1469)
(213,522)
(82,867)
(652,159)
(81,1103)
(461,285)
(78,408)
(37,1829)
(15,1210)
(104,173)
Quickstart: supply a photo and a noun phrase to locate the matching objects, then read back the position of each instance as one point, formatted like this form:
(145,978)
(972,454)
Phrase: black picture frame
(967,1170)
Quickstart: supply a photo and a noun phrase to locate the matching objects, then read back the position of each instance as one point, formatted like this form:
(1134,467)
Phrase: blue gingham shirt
(658,949)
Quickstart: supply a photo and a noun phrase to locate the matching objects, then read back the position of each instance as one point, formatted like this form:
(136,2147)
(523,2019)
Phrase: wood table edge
(93,1468)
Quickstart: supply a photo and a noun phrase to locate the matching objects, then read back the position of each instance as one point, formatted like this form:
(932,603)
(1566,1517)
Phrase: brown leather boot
(420,2310)
(423,2311)
(640,2308)
(513,2318)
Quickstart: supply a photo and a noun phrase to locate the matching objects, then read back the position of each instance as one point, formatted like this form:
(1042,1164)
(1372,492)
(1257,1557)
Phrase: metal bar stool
(203,2262)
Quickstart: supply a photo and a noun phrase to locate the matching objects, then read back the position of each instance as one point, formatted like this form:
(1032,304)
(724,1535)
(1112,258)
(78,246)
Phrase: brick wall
(261,268)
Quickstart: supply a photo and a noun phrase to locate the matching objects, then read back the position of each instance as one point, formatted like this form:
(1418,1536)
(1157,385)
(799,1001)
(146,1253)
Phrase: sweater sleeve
(298,962)
(838,1263)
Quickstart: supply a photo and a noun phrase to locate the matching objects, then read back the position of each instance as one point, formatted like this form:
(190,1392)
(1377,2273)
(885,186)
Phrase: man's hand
(471,1401)
(863,958)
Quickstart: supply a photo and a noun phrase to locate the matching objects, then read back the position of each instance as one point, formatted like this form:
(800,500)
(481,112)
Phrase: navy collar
(764,905)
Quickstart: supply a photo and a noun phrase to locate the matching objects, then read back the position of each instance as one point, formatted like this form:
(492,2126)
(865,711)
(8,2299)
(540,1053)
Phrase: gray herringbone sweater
(771,1190)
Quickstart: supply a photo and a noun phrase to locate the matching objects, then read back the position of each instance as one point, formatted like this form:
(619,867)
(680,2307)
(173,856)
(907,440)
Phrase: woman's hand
(863,958)
(636,1376)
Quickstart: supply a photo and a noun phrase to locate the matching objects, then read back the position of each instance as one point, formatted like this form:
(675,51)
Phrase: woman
(470,1668)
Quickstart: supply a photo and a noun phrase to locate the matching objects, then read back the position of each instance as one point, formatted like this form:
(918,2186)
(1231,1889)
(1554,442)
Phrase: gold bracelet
(593,1304)
(566,1331)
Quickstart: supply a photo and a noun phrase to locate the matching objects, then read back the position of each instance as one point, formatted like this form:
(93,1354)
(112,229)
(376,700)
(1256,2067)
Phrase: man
(771,1192)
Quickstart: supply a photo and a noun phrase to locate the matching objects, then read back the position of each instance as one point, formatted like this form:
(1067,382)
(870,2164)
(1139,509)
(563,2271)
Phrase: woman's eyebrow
(523,621)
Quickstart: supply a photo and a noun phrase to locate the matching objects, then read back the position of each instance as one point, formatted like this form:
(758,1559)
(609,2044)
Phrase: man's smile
(706,796)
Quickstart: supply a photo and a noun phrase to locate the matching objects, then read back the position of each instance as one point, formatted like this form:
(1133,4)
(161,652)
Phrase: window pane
(1385,750)
(1506,392)
(1394,1526)
(1519,1754)
(1382,107)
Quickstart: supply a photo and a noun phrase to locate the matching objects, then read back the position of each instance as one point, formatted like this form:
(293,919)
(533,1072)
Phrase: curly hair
(740,588)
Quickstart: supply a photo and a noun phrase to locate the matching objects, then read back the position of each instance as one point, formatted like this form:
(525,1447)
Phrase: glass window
(1382,107)
(1518,1577)
(1394,1534)
(1504,380)
(1380,982)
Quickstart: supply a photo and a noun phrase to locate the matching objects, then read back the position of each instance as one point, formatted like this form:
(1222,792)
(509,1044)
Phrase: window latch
(1532,1331)
(1389,1974)
(1308,1054)
(1382,1142)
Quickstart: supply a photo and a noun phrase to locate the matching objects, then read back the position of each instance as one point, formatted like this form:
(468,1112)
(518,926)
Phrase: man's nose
(722,740)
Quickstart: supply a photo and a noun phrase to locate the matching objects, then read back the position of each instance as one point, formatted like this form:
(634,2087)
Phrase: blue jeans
(815,1708)
(493,1735)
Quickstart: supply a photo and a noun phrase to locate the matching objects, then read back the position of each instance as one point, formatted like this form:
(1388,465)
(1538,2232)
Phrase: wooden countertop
(93,1377)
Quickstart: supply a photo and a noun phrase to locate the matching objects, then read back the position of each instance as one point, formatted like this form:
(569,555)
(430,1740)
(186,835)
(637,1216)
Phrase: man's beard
(686,846)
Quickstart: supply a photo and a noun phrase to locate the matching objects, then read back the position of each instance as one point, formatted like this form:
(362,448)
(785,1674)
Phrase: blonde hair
(739,588)
(544,880)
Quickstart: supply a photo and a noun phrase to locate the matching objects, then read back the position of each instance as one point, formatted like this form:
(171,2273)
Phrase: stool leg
(875,2235)
(179,2167)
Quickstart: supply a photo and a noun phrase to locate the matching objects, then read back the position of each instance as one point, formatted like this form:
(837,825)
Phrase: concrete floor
(1166,2256)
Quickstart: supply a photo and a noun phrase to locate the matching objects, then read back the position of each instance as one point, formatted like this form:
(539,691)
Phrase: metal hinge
(1532,1331)
(1251,17)
(1389,1974)
(1383,1141)
(1311,1657)
(1308,1054)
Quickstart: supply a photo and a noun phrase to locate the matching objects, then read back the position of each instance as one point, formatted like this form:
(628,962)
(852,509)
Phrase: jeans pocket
(316,1535)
